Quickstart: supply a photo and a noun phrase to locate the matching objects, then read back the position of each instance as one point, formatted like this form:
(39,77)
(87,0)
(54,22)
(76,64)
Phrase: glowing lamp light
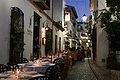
(46,28)
(88,40)
(37,61)
(44,41)
(84,18)
(17,71)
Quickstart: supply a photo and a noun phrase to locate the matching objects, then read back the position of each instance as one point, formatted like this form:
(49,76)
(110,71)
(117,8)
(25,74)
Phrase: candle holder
(17,73)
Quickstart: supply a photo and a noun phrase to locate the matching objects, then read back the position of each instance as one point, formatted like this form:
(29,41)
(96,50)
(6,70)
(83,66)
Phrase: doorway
(56,43)
(36,36)
(48,46)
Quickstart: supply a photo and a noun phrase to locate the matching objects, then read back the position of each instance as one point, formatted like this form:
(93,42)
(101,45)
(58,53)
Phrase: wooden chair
(3,68)
(21,60)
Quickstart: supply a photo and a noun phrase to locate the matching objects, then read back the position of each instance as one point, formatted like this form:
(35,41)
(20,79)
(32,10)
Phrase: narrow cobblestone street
(82,71)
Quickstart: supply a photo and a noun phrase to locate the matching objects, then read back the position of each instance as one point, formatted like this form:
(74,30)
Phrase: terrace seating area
(53,67)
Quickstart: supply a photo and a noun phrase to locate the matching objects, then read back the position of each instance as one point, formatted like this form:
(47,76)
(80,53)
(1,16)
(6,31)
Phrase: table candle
(37,61)
(17,71)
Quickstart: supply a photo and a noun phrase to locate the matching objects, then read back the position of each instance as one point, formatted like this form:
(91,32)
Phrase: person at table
(78,53)
(36,47)
(88,52)
(83,53)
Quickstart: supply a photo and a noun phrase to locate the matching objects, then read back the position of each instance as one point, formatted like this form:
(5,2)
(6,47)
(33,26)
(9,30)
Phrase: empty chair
(49,73)
(53,73)
(3,68)
(60,62)
(12,67)
(21,60)
(39,78)
(57,72)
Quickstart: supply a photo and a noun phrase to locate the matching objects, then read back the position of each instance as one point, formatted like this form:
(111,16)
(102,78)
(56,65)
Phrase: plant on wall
(110,20)
(16,34)
(17,42)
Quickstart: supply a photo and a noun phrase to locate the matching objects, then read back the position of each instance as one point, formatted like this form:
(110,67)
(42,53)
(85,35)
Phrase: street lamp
(84,18)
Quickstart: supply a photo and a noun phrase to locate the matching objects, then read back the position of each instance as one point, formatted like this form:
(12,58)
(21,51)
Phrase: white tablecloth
(39,69)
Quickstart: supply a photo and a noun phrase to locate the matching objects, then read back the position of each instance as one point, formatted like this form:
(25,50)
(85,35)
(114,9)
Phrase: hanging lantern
(84,18)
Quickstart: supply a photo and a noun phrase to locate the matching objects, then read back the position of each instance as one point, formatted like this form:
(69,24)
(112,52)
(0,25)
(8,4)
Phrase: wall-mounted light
(44,30)
(30,22)
(45,23)
(44,41)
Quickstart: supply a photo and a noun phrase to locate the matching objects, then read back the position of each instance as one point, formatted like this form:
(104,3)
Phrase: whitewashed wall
(102,46)
(4,30)
(58,15)
(102,41)
(5,12)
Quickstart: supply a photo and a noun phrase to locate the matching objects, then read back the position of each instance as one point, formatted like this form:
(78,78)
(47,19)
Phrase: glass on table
(21,66)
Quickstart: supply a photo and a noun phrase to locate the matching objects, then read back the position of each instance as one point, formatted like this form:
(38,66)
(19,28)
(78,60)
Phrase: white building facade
(29,10)
(71,26)
(102,49)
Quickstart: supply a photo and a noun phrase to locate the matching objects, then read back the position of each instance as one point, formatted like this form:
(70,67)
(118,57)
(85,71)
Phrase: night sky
(81,6)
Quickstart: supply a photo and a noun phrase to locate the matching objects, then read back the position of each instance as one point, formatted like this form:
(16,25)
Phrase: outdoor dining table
(27,71)
(39,68)
(20,76)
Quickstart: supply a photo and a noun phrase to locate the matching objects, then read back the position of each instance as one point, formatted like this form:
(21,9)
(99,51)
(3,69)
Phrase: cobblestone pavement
(101,72)
(82,71)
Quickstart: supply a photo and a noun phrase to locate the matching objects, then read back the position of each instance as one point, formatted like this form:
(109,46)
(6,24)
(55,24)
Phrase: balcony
(43,4)
(58,25)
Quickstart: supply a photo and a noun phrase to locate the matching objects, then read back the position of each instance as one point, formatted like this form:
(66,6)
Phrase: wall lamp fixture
(45,28)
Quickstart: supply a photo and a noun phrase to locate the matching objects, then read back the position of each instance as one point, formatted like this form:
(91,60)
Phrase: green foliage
(112,3)
(65,23)
(110,20)
(17,42)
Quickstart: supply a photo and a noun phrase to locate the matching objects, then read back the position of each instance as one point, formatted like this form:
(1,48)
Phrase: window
(59,43)
(16,34)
